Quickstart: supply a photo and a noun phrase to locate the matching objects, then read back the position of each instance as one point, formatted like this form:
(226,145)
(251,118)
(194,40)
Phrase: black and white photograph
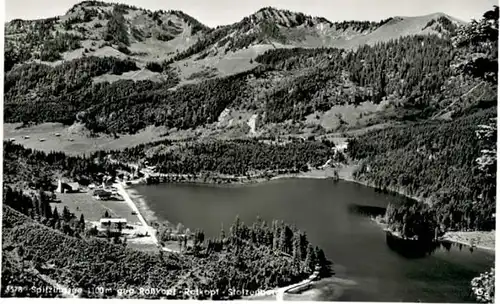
(266,150)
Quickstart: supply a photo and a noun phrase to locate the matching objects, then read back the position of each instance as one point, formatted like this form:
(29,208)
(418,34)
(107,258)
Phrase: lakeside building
(102,194)
(67,187)
(107,181)
(113,223)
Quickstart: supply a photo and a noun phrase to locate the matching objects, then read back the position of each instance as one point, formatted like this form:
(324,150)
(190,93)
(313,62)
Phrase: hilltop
(274,28)
(93,28)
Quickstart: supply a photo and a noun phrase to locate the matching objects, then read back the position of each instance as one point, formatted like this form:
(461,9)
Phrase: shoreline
(342,172)
(459,237)
(469,238)
(278,293)
(129,194)
(313,288)
(123,190)
(345,173)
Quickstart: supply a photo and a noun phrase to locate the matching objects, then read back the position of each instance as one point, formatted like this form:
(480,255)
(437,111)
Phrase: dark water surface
(324,209)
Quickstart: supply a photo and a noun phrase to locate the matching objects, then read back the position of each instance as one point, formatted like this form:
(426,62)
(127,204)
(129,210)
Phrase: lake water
(366,269)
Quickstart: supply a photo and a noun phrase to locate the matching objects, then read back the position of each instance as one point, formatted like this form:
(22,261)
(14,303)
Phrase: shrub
(154,67)
(124,49)
(483,287)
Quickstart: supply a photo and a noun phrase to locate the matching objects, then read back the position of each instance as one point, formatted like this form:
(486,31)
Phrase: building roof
(113,220)
(101,192)
(74,185)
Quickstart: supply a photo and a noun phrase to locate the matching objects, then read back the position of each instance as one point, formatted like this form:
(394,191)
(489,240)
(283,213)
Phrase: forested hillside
(30,168)
(41,244)
(435,161)
(412,75)
(450,164)
(238,158)
(122,64)
(260,256)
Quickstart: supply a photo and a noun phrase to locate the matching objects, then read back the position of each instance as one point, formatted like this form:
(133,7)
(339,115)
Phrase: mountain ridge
(177,32)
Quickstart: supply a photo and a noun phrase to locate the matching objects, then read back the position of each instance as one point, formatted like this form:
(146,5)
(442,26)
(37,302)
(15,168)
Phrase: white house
(67,187)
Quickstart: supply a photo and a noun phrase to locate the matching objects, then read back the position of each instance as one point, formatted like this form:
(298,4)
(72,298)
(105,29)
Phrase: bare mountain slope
(232,48)
(93,28)
(281,28)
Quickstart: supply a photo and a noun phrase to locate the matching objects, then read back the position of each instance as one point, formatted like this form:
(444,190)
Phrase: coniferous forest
(414,71)
(450,164)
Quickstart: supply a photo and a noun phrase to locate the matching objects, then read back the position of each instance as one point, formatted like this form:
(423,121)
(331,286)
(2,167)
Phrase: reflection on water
(411,248)
(371,211)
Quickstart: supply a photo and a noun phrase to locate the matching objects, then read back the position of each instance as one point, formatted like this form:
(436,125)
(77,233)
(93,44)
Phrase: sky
(221,12)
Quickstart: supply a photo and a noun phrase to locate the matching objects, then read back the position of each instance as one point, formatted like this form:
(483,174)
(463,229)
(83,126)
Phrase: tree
(11,57)
(20,253)
(303,245)
(81,223)
(108,231)
(483,287)
(296,250)
(66,229)
(106,214)
(487,135)
(120,227)
(179,241)
(116,239)
(477,45)
(66,214)
(180,228)
(55,214)
(310,261)
(322,261)
(222,232)
(37,208)
(234,230)
(46,210)
(199,237)
(282,239)
(276,236)
(93,231)
(116,30)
